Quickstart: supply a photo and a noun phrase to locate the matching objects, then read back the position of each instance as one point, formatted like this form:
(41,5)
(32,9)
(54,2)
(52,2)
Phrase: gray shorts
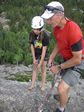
(72,75)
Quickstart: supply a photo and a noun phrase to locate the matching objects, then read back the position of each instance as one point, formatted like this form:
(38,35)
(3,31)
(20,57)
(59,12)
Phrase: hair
(32,35)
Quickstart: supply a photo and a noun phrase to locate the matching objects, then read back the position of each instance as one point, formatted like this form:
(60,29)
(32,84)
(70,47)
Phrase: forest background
(14,33)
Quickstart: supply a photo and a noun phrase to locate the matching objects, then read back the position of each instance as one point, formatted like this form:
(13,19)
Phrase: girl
(39,40)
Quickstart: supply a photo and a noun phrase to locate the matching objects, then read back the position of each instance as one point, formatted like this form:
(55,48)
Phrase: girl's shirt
(38,41)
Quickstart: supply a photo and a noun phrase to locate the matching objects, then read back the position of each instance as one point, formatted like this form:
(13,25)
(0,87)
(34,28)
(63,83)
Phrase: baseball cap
(51,9)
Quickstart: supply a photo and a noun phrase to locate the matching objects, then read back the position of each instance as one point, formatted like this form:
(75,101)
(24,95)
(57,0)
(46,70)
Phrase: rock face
(4,22)
(15,96)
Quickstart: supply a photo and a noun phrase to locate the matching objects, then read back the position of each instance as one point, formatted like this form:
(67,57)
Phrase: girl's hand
(35,62)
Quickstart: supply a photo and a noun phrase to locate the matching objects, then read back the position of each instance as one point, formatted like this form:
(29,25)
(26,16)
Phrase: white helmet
(37,22)
(50,8)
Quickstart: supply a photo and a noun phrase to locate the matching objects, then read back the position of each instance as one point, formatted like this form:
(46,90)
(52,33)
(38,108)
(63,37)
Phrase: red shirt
(67,37)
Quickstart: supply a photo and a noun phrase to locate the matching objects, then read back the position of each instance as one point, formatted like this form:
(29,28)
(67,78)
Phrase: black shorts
(39,57)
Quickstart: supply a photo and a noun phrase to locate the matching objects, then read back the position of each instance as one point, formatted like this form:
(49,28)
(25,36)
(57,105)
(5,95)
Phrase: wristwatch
(59,67)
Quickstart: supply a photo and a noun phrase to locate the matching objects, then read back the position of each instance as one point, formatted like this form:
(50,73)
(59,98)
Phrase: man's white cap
(50,8)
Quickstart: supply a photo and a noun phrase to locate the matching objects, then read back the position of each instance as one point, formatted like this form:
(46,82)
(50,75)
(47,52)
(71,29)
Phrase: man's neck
(62,23)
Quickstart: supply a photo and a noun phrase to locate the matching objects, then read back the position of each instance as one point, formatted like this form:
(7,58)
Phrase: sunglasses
(50,8)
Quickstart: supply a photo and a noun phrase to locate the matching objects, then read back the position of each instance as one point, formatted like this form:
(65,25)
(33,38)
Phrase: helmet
(51,8)
(37,22)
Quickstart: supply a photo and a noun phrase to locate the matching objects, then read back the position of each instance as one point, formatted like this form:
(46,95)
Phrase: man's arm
(77,54)
(75,60)
(53,54)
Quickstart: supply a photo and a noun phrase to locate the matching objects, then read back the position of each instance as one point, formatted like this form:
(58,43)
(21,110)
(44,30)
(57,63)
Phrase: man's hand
(54,69)
(50,63)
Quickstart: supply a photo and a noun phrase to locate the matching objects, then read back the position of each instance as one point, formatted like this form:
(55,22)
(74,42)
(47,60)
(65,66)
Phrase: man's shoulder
(72,23)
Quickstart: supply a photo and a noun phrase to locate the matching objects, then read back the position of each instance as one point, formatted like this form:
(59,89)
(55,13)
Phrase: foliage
(14,46)
(28,77)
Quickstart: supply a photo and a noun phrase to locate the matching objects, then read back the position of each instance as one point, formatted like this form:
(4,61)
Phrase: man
(70,45)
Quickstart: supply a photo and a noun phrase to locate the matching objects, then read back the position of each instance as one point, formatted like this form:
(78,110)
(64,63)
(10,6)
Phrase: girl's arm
(33,52)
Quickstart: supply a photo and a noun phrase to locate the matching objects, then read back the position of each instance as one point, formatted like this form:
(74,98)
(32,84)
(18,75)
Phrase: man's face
(54,20)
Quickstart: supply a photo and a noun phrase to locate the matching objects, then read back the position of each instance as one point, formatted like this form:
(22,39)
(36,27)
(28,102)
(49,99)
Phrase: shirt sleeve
(77,46)
(75,34)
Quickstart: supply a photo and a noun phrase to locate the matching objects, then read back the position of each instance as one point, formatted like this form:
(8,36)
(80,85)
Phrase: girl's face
(37,31)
